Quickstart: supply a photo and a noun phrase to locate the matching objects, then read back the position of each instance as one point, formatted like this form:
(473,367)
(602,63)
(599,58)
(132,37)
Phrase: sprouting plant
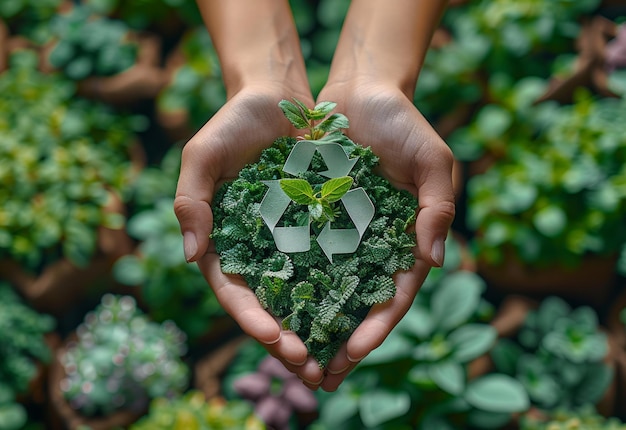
(320,279)
(319,203)
(318,121)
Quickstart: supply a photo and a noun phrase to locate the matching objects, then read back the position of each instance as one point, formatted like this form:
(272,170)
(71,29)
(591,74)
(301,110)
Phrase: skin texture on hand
(372,79)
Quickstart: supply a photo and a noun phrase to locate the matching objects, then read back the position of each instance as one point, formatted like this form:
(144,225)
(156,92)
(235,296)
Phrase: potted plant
(562,357)
(421,376)
(286,250)
(193,410)
(194,90)
(23,353)
(548,217)
(108,60)
(64,167)
(117,361)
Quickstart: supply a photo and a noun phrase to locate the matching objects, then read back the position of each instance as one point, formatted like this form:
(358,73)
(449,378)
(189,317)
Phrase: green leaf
(298,190)
(471,341)
(449,376)
(334,122)
(293,114)
(497,393)
(12,416)
(493,121)
(596,381)
(380,405)
(128,270)
(321,110)
(550,221)
(456,299)
(336,188)
(343,406)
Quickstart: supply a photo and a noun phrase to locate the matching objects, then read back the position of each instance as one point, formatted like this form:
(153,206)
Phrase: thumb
(192,203)
(436,208)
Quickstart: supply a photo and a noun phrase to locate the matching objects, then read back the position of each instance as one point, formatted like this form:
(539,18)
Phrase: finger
(193,196)
(383,317)
(239,301)
(337,370)
(290,350)
(436,204)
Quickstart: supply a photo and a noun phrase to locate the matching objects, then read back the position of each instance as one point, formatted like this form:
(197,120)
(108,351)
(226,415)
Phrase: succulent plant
(120,360)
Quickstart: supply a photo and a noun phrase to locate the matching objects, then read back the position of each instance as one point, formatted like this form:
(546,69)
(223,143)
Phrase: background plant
(29,17)
(22,348)
(121,360)
(61,158)
(171,288)
(196,86)
(558,356)
(560,197)
(193,411)
(87,44)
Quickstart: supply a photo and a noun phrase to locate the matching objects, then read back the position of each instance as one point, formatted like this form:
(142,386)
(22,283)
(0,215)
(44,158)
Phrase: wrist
(386,42)
(256,42)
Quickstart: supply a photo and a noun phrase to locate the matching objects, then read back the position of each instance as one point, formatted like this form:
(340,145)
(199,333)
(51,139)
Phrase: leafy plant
(171,288)
(558,356)
(90,45)
(418,378)
(583,419)
(558,196)
(61,158)
(519,38)
(193,411)
(121,360)
(29,18)
(196,86)
(319,294)
(511,117)
(22,346)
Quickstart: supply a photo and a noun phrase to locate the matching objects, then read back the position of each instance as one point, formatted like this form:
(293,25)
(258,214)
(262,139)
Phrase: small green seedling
(320,202)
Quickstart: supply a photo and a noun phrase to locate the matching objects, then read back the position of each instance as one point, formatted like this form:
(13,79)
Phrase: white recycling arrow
(357,203)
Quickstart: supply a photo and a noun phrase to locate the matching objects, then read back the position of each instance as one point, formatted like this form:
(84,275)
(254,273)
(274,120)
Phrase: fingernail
(355,360)
(306,381)
(296,364)
(272,342)
(437,252)
(190,245)
(337,372)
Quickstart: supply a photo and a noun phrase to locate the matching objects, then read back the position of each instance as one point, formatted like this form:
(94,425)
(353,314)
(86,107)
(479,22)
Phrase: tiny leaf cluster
(321,302)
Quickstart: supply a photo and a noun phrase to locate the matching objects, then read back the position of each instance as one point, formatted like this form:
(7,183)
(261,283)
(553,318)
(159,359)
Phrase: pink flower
(276,393)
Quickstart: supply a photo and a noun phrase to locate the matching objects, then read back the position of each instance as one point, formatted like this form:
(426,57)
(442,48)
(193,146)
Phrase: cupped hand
(249,122)
(412,157)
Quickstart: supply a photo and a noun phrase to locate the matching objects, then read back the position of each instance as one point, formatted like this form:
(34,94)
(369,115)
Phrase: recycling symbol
(357,203)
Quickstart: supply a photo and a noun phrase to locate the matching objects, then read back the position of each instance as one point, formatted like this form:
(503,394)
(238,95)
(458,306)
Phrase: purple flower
(276,393)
